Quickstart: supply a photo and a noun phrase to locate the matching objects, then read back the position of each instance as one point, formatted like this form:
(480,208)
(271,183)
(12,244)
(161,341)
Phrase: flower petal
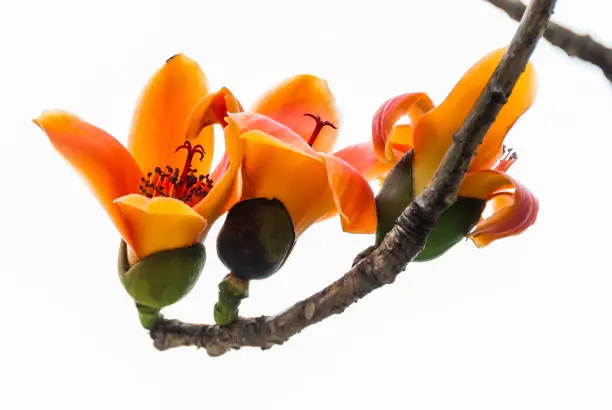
(243,122)
(414,105)
(353,196)
(364,160)
(402,139)
(160,119)
(107,167)
(273,168)
(434,132)
(227,176)
(303,94)
(225,193)
(513,212)
(160,223)
(211,110)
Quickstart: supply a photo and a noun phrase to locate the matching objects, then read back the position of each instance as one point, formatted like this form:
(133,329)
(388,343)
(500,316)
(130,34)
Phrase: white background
(523,324)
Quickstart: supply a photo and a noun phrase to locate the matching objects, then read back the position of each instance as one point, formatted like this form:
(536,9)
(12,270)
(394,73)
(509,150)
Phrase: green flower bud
(162,278)
(256,238)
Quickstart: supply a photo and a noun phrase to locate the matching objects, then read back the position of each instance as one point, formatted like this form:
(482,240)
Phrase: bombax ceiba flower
(421,144)
(290,181)
(159,191)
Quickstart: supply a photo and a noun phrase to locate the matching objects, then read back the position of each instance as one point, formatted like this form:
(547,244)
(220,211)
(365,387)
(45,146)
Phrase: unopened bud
(256,238)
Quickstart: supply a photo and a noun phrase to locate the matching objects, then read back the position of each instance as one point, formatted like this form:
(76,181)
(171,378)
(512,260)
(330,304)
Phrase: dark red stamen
(180,184)
(318,127)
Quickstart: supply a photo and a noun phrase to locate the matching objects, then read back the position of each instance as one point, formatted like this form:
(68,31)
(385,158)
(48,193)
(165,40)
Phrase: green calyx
(396,194)
(256,238)
(162,278)
(453,226)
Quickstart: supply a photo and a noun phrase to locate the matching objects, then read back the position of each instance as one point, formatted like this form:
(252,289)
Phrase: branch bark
(573,44)
(401,245)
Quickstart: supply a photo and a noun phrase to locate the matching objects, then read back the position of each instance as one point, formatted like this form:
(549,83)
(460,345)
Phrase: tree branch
(573,44)
(401,245)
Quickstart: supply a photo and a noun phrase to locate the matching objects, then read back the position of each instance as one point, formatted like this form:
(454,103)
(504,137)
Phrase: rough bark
(581,46)
(401,245)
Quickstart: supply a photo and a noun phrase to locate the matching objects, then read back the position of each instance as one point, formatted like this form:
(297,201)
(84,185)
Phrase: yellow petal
(277,169)
(160,223)
(434,132)
(107,167)
(160,118)
(303,94)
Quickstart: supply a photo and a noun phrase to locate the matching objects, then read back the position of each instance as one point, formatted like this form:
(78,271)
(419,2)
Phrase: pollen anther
(182,184)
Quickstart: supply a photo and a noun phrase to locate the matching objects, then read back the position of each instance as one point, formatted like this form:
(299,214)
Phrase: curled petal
(353,196)
(303,94)
(512,211)
(107,167)
(211,110)
(160,118)
(364,160)
(434,133)
(414,105)
(160,223)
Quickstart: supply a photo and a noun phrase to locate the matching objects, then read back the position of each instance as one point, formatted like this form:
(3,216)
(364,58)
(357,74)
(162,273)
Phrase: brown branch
(401,245)
(573,44)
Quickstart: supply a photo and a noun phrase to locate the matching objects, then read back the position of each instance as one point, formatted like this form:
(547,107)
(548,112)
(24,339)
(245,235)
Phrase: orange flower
(430,134)
(285,148)
(158,191)
(290,180)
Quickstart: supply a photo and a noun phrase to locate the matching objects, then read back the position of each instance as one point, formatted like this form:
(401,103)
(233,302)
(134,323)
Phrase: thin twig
(401,245)
(581,46)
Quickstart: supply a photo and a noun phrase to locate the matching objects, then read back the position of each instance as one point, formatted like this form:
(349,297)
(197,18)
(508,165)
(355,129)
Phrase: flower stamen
(184,184)
(318,127)
(508,158)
